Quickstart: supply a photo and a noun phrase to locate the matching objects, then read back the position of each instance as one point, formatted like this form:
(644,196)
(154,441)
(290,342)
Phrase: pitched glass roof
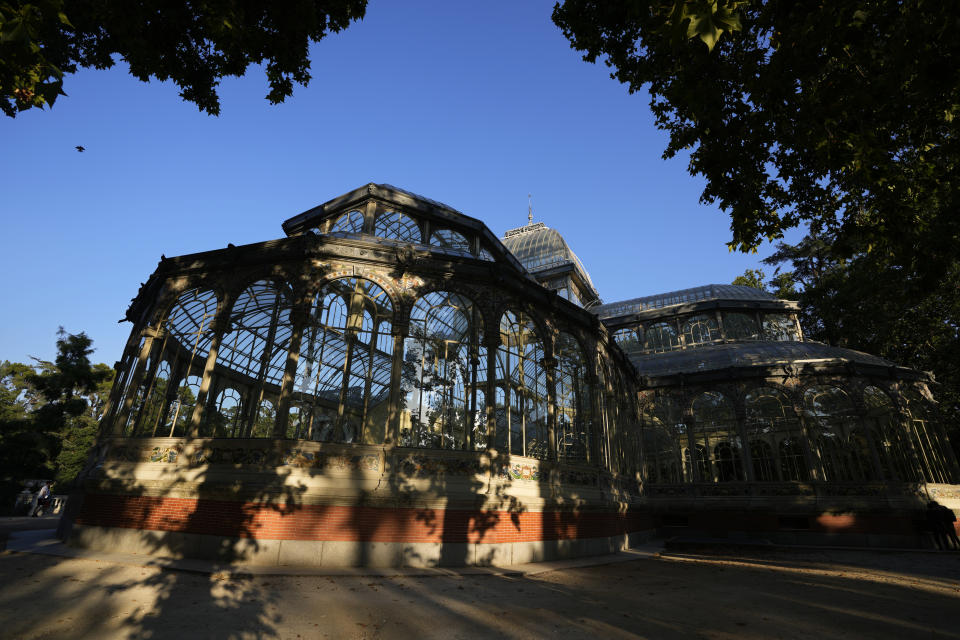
(742,354)
(538,248)
(683,296)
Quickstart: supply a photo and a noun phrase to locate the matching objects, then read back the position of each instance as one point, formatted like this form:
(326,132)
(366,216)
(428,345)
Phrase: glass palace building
(391,384)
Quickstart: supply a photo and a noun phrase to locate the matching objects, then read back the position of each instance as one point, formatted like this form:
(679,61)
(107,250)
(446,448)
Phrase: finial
(529,210)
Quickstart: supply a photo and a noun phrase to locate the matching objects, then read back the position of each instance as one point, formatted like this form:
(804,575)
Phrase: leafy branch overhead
(193,44)
(841,115)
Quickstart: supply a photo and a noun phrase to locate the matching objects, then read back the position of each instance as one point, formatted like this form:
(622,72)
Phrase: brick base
(336,535)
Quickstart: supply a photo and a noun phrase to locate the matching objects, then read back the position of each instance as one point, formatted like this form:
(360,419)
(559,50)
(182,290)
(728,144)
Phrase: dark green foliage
(841,114)
(751,278)
(49,414)
(194,43)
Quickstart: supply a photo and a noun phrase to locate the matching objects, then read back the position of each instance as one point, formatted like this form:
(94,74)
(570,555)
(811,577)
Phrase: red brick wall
(345,523)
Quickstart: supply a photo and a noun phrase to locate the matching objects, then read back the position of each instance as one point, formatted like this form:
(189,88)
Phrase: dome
(539,248)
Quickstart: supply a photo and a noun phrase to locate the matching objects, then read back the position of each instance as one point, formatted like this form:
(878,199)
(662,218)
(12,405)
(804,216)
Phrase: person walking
(43,499)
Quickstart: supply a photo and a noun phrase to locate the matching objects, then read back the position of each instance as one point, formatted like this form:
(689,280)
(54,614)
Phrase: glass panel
(715,433)
(740,326)
(444,372)
(253,353)
(700,329)
(521,375)
(179,352)
(778,326)
(226,419)
(773,427)
(350,222)
(833,428)
(398,226)
(664,437)
(573,400)
(661,337)
(450,241)
(342,385)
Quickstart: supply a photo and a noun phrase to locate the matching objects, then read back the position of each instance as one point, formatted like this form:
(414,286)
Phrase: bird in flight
(80,149)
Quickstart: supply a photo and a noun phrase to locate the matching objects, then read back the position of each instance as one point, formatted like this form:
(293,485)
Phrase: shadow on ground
(783,594)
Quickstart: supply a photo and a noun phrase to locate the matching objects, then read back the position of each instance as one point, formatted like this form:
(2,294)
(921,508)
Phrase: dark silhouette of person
(940,522)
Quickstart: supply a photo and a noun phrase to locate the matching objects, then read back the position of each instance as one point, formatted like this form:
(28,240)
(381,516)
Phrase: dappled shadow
(859,595)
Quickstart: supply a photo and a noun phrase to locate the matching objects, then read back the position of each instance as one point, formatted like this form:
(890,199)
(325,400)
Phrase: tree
(841,114)
(192,43)
(751,278)
(49,413)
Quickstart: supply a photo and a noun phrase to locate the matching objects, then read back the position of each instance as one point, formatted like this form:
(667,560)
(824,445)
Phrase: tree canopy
(49,412)
(842,115)
(192,43)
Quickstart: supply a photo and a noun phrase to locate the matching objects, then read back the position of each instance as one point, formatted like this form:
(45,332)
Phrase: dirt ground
(705,593)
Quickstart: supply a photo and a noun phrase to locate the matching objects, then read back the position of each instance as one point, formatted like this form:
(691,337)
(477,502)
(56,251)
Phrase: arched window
(181,408)
(629,339)
(342,385)
(398,226)
(832,423)
(661,337)
(740,326)
(225,419)
(450,241)
(771,420)
(443,375)
(573,401)
(179,352)
(522,381)
(350,222)
(716,431)
(700,329)
(664,437)
(253,353)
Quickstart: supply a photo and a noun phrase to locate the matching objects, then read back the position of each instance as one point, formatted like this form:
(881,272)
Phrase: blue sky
(472,104)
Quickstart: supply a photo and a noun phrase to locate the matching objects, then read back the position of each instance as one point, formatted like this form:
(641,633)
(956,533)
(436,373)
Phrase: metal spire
(529,210)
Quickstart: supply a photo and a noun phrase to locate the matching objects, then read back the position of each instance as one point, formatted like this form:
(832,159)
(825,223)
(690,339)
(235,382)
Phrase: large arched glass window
(522,388)
(450,241)
(342,386)
(740,326)
(350,222)
(343,371)
(444,375)
(716,432)
(700,329)
(832,423)
(253,355)
(573,401)
(772,427)
(225,419)
(664,437)
(889,437)
(178,357)
(398,226)
(661,337)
